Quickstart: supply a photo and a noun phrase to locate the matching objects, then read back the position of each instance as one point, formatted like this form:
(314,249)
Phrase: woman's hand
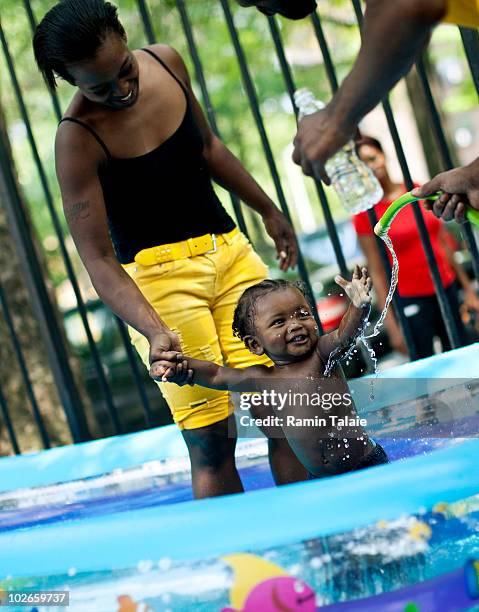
(164,348)
(282,233)
(320,135)
(460,187)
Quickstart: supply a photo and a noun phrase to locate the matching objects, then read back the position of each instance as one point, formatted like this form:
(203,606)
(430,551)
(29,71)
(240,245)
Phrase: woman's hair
(72,31)
(370,142)
(244,315)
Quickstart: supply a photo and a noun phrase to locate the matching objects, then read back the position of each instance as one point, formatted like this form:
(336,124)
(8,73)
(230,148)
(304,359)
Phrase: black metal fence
(57,351)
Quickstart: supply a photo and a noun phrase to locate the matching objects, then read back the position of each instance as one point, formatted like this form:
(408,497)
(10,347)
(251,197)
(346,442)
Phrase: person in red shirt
(415,285)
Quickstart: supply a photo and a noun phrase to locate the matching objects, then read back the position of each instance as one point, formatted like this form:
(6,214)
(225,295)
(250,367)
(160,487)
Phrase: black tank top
(163,196)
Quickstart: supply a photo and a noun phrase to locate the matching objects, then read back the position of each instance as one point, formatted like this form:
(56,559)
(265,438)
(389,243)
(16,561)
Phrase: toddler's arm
(358,290)
(209,374)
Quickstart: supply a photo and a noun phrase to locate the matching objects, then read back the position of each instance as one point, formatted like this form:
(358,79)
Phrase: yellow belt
(184,249)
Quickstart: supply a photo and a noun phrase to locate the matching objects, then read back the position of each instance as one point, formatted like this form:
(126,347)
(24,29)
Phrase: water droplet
(144,566)
(166,598)
(164,563)
(72,571)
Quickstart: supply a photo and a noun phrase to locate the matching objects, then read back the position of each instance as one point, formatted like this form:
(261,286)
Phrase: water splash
(335,357)
(392,288)
(380,322)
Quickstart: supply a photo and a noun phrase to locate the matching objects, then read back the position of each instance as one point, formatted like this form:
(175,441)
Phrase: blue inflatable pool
(113,523)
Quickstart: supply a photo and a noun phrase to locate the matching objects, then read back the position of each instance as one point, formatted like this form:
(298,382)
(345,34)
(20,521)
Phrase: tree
(28,333)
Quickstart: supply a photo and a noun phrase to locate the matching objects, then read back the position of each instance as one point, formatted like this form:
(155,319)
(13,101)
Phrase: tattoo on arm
(79,210)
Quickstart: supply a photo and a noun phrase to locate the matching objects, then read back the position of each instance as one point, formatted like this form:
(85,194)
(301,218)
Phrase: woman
(415,286)
(134,157)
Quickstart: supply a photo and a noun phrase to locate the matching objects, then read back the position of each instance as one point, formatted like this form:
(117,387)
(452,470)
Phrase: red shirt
(415,279)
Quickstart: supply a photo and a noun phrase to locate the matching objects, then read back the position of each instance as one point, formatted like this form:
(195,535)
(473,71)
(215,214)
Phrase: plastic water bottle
(357,187)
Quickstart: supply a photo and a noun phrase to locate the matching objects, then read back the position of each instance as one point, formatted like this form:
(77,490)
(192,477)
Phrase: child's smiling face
(285,328)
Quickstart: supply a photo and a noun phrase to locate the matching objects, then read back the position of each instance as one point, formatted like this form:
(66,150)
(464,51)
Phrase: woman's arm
(77,160)
(227,171)
(375,266)
(393,34)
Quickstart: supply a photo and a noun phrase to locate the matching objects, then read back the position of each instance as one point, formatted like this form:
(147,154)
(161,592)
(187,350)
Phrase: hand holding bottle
(355,184)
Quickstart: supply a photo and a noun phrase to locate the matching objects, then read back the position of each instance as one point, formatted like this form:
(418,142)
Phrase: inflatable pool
(113,523)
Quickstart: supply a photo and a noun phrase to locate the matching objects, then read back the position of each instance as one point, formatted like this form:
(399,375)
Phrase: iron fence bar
(443,302)
(8,423)
(58,230)
(131,355)
(49,326)
(253,100)
(331,73)
(23,370)
(444,305)
(291,87)
(470,41)
(467,232)
(200,77)
(53,94)
(146,20)
(323,45)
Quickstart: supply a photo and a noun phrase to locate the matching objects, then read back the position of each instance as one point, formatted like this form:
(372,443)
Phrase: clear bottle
(357,187)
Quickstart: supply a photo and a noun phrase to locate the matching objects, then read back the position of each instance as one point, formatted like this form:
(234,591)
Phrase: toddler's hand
(358,288)
(178,373)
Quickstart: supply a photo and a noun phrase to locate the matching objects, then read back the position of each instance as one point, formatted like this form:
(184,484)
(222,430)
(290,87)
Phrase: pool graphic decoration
(262,585)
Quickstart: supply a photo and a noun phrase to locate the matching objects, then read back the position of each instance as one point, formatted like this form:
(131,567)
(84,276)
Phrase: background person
(415,285)
(134,159)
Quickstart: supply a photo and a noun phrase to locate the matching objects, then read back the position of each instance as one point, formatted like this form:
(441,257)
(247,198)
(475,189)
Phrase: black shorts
(425,321)
(376,457)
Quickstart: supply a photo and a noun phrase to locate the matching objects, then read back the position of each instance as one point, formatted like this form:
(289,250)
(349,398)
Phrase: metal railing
(56,346)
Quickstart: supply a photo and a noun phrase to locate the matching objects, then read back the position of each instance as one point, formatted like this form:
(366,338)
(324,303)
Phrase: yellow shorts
(196,298)
(463,12)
